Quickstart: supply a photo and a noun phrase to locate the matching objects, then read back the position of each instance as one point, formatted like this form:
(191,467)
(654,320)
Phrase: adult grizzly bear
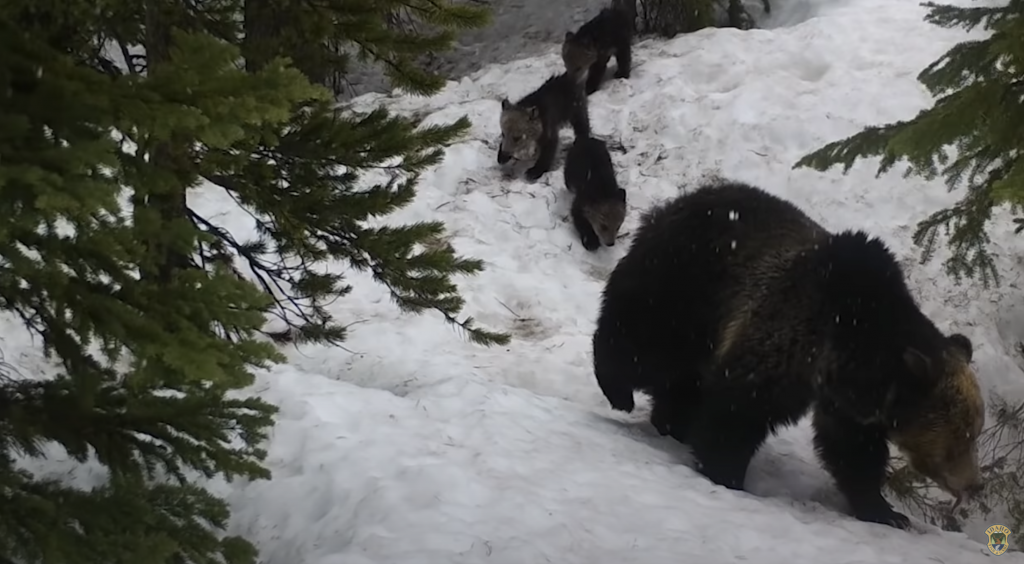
(738,314)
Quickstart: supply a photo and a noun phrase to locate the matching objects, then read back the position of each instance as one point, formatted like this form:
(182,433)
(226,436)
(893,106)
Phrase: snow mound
(461,471)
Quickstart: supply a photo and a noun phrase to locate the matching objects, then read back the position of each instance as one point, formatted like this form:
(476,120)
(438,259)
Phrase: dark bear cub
(609,33)
(739,17)
(529,127)
(739,314)
(598,205)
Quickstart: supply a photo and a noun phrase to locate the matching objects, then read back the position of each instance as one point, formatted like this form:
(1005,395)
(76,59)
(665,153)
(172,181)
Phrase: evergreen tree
(135,295)
(979,114)
(972,136)
(303,180)
(142,365)
(322,38)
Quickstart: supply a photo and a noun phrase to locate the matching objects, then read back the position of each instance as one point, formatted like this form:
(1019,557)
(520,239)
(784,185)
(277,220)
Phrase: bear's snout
(964,481)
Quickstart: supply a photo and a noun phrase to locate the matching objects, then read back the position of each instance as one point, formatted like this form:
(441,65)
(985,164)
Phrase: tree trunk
(266,25)
(260,42)
(160,200)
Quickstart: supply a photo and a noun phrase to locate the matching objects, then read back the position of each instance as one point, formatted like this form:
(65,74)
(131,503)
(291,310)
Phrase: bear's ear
(963,344)
(621,194)
(569,35)
(918,363)
(505,104)
(533,112)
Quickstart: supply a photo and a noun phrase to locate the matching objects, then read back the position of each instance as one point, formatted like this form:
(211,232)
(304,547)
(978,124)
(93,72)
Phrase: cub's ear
(505,104)
(621,194)
(533,112)
(918,363)
(963,344)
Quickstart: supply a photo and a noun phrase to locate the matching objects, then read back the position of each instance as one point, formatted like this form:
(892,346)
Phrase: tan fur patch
(578,56)
(732,330)
(606,219)
(965,386)
(942,444)
(520,130)
(962,411)
(744,303)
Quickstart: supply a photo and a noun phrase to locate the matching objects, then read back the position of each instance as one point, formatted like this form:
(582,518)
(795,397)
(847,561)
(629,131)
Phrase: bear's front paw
(660,420)
(885,516)
(534,172)
(622,74)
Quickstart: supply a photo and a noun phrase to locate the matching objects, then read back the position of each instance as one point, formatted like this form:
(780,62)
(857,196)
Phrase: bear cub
(609,33)
(739,314)
(529,127)
(740,18)
(598,205)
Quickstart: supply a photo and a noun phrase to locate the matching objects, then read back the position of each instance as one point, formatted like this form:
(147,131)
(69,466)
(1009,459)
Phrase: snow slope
(413,446)
(528,28)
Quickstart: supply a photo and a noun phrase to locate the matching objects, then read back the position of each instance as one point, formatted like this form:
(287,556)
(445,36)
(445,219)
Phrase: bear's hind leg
(725,433)
(856,456)
(740,404)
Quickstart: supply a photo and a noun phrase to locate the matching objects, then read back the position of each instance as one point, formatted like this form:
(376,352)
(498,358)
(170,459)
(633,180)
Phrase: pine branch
(301,192)
(979,115)
(964,226)
(871,142)
(121,523)
(306,318)
(144,371)
(139,432)
(948,16)
(395,35)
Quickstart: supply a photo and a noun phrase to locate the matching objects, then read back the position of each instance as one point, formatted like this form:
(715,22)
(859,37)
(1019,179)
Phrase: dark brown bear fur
(530,127)
(609,33)
(598,203)
(738,314)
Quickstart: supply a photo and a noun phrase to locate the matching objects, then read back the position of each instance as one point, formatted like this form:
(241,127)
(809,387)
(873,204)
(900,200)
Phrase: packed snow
(410,445)
(527,28)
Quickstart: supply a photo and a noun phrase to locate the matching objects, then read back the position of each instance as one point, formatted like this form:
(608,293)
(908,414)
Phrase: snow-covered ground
(528,28)
(413,446)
